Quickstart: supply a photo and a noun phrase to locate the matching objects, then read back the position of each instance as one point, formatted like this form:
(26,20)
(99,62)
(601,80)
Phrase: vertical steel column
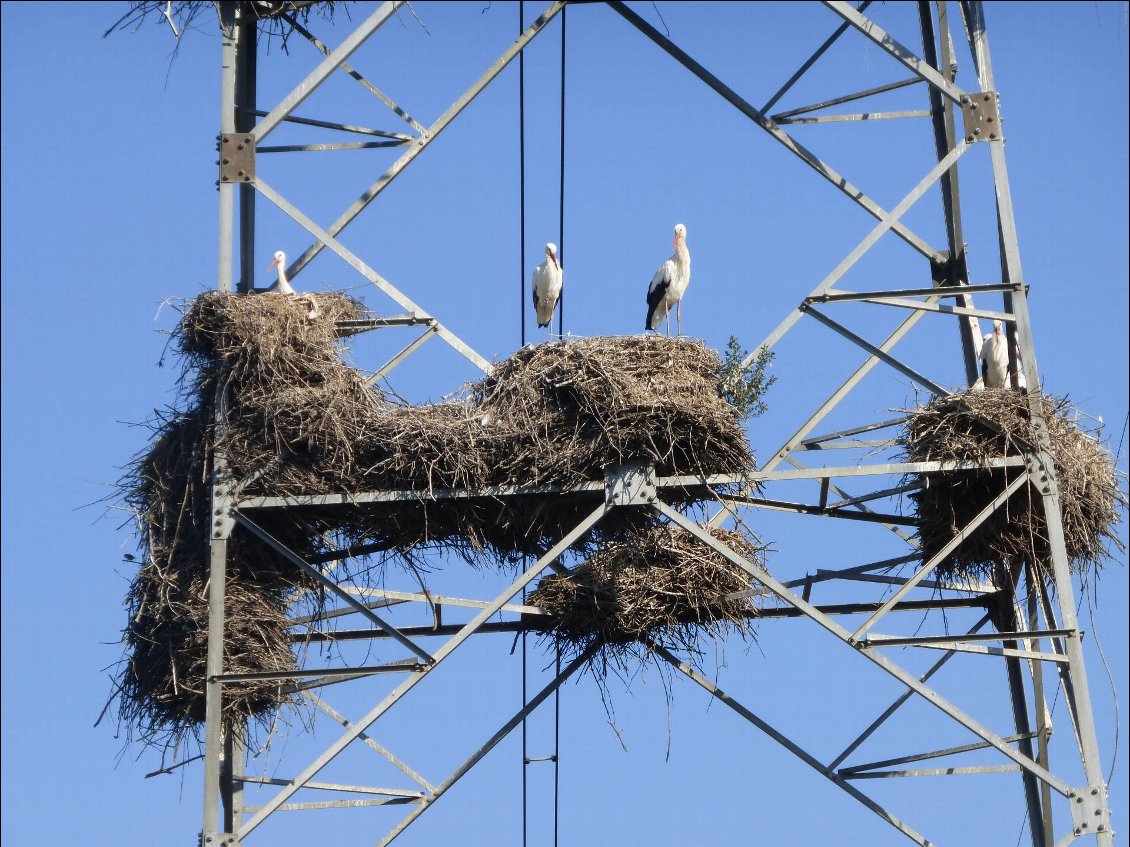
(232,772)
(246,60)
(1005,619)
(218,545)
(227,124)
(213,710)
(1048,484)
(954,271)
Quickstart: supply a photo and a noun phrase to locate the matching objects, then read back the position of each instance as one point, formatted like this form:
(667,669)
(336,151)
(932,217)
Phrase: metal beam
(931,696)
(955,267)
(327,240)
(857,117)
(330,753)
(886,358)
(430,135)
(810,61)
(227,125)
(1049,490)
(847,98)
(889,44)
(886,223)
(368,86)
(769,126)
(798,751)
(935,560)
(921,757)
(377,748)
(326,67)
(900,700)
(519,716)
(328,583)
(936,292)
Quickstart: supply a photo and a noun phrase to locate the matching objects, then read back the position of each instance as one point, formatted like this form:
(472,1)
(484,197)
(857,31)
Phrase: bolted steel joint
(237,157)
(982,117)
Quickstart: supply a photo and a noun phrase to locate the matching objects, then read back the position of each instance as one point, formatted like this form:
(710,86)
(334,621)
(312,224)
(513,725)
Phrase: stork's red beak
(271,266)
(553,258)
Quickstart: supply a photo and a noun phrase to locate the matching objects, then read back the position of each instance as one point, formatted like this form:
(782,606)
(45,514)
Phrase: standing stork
(282,284)
(669,284)
(547,286)
(994,360)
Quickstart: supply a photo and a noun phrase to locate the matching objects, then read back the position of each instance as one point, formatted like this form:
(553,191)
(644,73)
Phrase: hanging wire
(561,187)
(522,336)
(557,738)
(522,195)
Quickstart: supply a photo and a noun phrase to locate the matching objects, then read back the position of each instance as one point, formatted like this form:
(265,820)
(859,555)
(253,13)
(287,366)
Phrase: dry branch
(265,387)
(951,429)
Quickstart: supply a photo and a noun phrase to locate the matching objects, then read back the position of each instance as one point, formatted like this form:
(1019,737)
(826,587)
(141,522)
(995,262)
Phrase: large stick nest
(955,429)
(300,421)
(659,585)
(265,386)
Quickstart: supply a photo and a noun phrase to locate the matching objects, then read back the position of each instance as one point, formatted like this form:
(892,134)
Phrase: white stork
(547,286)
(668,284)
(282,285)
(994,359)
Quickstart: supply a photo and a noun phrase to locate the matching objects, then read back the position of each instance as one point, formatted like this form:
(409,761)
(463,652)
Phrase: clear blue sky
(109,208)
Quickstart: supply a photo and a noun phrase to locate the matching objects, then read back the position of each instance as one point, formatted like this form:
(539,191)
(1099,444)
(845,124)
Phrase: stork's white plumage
(994,358)
(547,286)
(669,284)
(282,285)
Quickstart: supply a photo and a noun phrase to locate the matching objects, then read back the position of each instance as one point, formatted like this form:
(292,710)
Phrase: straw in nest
(658,584)
(952,429)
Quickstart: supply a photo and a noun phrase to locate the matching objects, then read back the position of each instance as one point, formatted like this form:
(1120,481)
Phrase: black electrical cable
(522,182)
(561,187)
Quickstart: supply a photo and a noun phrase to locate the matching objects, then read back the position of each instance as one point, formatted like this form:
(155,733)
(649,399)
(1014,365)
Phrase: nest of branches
(658,585)
(298,420)
(162,689)
(265,387)
(274,18)
(996,423)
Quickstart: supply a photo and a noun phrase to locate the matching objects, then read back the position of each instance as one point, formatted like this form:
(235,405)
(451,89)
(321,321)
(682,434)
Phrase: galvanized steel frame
(1019,633)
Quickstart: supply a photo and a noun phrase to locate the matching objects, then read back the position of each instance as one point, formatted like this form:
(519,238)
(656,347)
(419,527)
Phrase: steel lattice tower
(1027,639)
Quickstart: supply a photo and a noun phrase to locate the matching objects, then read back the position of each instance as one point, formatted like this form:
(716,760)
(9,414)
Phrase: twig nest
(658,584)
(985,424)
(265,385)
(163,684)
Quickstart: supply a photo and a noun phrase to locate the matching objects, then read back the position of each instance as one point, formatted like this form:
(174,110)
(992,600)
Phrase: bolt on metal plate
(981,111)
(1090,811)
(630,485)
(237,157)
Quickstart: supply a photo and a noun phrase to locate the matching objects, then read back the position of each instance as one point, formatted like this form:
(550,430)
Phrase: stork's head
(997,326)
(551,253)
(280,259)
(680,235)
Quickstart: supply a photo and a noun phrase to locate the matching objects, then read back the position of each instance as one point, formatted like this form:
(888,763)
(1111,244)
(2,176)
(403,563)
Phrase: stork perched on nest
(547,286)
(282,284)
(669,284)
(994,359)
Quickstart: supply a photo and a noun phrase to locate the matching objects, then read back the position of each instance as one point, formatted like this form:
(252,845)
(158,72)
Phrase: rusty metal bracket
(982,117)
(237,157)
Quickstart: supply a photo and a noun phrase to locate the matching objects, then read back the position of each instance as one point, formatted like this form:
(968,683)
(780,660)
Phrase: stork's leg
(679,318)
(668,317)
